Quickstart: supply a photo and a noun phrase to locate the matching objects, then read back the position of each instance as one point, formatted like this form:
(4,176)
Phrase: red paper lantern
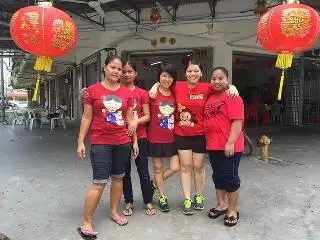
(44,31)
(287,29)
(155,15)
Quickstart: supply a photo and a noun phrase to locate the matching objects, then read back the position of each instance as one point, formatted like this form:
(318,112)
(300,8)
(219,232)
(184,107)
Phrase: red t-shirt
(108,124)
(139,97)
(161,127)
(218,115)
(190,105)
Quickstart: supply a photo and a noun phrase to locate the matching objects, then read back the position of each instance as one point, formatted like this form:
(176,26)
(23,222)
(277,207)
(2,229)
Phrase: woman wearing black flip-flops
(107,112)
(223,122)
(141,113)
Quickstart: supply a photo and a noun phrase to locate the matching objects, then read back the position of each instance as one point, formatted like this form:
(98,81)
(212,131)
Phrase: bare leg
(233,200)
(158,175)
(91,201)
(199,172)
(115,196)
(186,172)
(173,168)
(222,200)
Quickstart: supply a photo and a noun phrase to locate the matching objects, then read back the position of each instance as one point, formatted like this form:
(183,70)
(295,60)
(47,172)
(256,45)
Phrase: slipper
(127,211)
(121,221)
(214,213)
(231,221)
(86,235)
(150,211)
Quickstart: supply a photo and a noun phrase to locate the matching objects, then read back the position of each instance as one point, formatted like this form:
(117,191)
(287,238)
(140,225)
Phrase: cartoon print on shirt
(186,117)
(166,116)
(112,112)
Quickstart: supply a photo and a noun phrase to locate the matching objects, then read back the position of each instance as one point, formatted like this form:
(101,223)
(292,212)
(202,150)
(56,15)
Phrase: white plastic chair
(61,120)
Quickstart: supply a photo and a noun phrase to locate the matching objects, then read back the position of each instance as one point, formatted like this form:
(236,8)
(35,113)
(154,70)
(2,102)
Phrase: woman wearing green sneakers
(191,96)
(161,132)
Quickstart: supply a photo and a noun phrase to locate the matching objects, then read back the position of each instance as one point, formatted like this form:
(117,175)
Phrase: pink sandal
(121,221)
(86,234)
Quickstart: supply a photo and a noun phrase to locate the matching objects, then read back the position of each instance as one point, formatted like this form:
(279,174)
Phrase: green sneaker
(198,202)
(187,207)
(163,204)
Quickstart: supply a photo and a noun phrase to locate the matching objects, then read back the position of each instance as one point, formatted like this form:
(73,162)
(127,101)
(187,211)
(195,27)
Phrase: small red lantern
(287,29)
(154,42)
(155,16)
(44,31)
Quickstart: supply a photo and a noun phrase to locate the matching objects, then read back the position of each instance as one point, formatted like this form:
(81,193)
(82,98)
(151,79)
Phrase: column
(222,57)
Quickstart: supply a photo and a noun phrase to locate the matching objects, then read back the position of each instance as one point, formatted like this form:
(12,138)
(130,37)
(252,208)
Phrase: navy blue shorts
(109,160)
(225,171)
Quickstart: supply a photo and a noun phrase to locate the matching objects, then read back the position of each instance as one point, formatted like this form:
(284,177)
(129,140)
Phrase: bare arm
(84,128)
(146,115)
(235,130)
(85,123)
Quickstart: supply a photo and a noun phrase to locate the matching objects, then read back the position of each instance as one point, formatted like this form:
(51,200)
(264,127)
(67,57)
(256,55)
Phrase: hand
(81,151)
(132,127)
(153,91)
(229,150)
(84,93)
(135,150)
(233,92)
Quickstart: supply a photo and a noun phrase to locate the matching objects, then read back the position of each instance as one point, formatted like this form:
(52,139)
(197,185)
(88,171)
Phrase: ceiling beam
(86,18)
(172,13)
(136,20)
(212,5)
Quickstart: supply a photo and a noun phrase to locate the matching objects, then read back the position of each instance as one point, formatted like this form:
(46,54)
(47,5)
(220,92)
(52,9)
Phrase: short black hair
(194,62)
(168,68)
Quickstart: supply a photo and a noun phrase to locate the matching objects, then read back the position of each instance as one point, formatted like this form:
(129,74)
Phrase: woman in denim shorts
(107,110)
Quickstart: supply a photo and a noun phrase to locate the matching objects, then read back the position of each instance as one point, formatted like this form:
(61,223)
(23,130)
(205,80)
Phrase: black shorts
(195,143)
(162,150)
(225,170)
(109,160)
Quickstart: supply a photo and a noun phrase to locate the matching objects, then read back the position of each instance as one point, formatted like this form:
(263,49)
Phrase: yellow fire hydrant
(264,142)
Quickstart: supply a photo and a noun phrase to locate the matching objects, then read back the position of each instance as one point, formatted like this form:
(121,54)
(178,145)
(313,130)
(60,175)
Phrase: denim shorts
(109,160)
(225,170)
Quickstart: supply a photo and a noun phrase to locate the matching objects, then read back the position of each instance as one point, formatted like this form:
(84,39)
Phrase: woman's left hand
(233,92)
(135,150)
(132,127)
(229,150)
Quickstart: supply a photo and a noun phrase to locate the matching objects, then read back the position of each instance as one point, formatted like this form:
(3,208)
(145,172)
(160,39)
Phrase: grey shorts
(109,160)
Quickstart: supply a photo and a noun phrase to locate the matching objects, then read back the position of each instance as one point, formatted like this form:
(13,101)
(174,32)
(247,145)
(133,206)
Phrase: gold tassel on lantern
(284,61)
(43,64)
(36,89)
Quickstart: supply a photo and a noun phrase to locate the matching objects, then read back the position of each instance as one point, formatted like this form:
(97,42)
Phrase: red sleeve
(145,97)
(88,99)
(236,109)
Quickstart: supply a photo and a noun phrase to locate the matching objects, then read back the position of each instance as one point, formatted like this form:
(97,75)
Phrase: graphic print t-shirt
(139,97)
(190,105)
(218,115)
(161,128)
(108,124)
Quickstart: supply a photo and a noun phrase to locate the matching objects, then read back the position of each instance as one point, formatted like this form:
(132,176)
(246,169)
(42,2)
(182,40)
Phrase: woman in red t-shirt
(191,96)
(161,132)
(223,121)
(141,116)
(107,110)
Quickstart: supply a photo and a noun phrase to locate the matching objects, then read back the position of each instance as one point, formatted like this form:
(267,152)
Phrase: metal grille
(311,98)
(293,83)
(205,57)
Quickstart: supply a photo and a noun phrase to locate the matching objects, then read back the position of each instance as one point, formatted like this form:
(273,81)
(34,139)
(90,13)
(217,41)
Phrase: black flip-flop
(86,236)
(214,213)
(233,219)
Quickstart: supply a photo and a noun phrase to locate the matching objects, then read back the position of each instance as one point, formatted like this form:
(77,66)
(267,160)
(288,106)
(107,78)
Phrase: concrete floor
(42,186)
